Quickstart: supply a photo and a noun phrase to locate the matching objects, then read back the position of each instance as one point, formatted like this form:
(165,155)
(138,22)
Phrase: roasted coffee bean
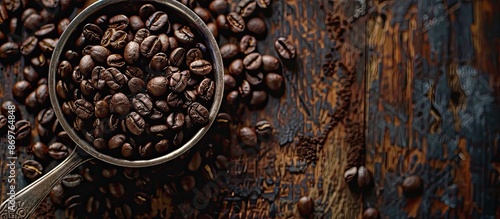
(140,35)
(71,55)
(116,141)
(78,124)
(141,198)
(157,21)
(256,26)
(23,129)
(120,104)
(174,100)
(246,7)
(165,44)
(93,205)
(8,49)
(305,206)
(221,22)
(187,183)
(195,162)
(146,11)
(62,25)
(57,194)
(219,6)
(124,212)
(127,150)
(4,15)
(68,108)
(252,61)
(198,113)
(229,82)
(86,88)
(86,65)
(236,67)
(235,22)
(50,3)
(109,173)
(263,3)
(221,162)
(200,67)
(97,79)
(178,81)
(136,85)
(193,55)
(92,33)
(37,61)
(131,52)
(371,213)
(101,109)
(30,74)
(115,60)
(116,189)
(100,143)
(29,45)
(184,35)
(47,45)
(158,130)
(175,121)
(58,150)
(40,150)
(177,56)
(99,53)
(232,98)
(350,176)
(229,50)
(42,94)
(146,150)
(136,22)
(203,13)
(247,136)
(33,22)
(206,89)
(116,40)
(46,117)
(21,89)
(255,79)
(150,46)
(114,78)
(32,169)
(173,42)
(72,180)
(248,44)
(162,146)
(178,138)
(46,30)
(412,186)
(64,69)
(135,123)
(3,121)
(364,177)
(159,61)
(285,48)
(84,109)
(142,104)
(264,130)
(157,86)
(118,22)
(162,105)
(245,89)
(270,63)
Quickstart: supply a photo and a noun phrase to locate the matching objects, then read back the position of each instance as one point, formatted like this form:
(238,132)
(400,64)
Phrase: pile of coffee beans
(136,85)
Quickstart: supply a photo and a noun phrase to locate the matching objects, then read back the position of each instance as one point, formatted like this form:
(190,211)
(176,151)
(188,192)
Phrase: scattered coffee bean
(72,180)
(371,213)
(364,177)
(305,206)
(256,26)
(412,186)
(32,169)
(247,136)
(285,48)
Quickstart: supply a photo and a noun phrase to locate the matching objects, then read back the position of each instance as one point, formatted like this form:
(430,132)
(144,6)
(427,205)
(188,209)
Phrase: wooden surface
(422,97)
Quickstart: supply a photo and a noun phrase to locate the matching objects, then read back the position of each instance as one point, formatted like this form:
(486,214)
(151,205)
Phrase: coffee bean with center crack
(198,113)
(58,150)
(32,169)
(120,104)
(135,123)
(72,180)
(150,46)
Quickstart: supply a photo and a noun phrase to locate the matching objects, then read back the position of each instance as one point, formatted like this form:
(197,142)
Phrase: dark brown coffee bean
(252,61)
(255,79)
(146,11)
(30,74)
(58,150)
(246,7)
(62,25)
(270,63)
(305,206)
(258,98)
(162,105)
(101,109)
(116,189)
(221,22)
(46,30)
(195,162)
(198,113)
(136,85)
(203,13)
(68,108)
(219,6)
(4,15)
(8,49)
(135,123)
(157,21)
(412,186)
(97,79)
(72,180)
(165,44)
(21,89)
(235,22)
(29,45)
(99,53)
(40,150)
(264,130)
(84,109)
(285,48)
(175,121)
(364,177)
(173,43)
(193,55)
(46,117)
(133,71)
(136,22)
(22,129)
(236,67)
(116,61)
(178,138)
(116,141)
(114,78)
(162,146)
(184,35)
(221,162)
(263,3)
(229,50)
(146,150)
(118,22)
(78,124)
(123,212)
(247,136)
(248,44)
(86,88)
(150,46)
(178,81)
(65,69)
(159,61)
(3,121)
(177,56)
(92,33)
(33,22)
(120,104)
(200,67)
(131,52)
(245,89)
(32,169)
(141,198)
(232,98)
(141,34)
(47,45)
(86,65)
(117,39)
(157,86)
(37,61)
(206,89)
(127,150)
(72,55)
(187,183)
(256,26)
(142,104)
(50,3)
(229,82)
(371,213)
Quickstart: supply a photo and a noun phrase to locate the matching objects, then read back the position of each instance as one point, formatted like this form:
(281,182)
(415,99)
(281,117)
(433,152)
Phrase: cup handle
(25,201)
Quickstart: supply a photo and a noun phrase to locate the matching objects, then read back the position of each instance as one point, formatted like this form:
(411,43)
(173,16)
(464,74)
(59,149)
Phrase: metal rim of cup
(189,16)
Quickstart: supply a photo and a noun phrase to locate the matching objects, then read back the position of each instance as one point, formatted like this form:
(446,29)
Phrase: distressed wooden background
(409,86)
